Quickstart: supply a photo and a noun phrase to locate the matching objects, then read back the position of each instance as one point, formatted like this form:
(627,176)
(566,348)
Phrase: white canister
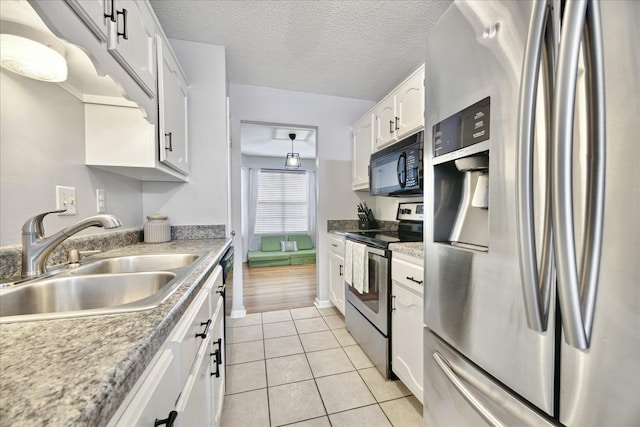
(157,229)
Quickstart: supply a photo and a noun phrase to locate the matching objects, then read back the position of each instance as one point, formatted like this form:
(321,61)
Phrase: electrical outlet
(101,200)
(66,199)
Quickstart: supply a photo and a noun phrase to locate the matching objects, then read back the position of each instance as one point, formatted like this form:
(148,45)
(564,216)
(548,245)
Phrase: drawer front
(336,245)
(408,274)
(189,334)
(156,396)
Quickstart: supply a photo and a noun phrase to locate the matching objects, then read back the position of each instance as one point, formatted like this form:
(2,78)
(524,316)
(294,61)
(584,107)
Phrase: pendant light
(293,159)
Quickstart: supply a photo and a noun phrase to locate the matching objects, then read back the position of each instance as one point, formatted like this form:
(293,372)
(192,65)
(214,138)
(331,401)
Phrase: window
(282,205)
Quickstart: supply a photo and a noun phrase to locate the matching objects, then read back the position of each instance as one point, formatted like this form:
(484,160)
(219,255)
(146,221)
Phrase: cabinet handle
(391,126)
(393,302)
(217,362)
(419,282)
(206,325)
(124,33)
(111,15)
(168,421)
(397,120)
(170,135)
(340,270)
(221,290)
(334,245)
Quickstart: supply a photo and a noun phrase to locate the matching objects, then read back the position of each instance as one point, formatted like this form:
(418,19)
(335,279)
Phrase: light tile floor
(301,367)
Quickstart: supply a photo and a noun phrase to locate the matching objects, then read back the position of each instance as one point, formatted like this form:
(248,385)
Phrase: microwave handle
(402,174)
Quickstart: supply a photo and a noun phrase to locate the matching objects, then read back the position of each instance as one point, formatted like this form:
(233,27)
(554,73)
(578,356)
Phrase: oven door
(374,304)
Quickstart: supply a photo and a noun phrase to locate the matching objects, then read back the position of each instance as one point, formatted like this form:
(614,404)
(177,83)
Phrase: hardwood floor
(276,288)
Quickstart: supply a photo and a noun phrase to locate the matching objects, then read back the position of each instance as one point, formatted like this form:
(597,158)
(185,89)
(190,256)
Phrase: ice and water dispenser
(461,178)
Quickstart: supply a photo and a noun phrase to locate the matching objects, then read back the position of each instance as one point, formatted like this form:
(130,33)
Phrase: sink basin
(106,286)
(137,263)
(68,294)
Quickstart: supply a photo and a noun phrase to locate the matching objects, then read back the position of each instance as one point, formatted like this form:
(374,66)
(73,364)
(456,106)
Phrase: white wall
(203,200)
(41,146)
(333,117)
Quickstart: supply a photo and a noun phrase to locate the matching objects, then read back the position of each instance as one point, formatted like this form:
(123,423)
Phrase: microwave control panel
(462,129)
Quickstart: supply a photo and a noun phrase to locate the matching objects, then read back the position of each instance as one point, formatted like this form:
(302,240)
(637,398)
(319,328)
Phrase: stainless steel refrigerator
(532,212)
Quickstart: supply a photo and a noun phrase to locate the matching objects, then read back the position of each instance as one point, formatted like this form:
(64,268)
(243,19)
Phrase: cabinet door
(173,100)
(385,123)
(156,396)
(362,146)
(218,363)
(131,42)
(194,405)
(92,13)
(406,338)
(336,280)
(410,106)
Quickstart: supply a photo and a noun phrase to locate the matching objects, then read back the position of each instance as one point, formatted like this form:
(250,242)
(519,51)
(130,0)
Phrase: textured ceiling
(357,49)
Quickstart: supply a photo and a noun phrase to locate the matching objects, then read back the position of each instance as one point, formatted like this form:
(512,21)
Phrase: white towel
(360,268)
(348,262)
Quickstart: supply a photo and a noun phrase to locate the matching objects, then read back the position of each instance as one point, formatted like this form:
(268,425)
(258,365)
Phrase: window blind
(282,205)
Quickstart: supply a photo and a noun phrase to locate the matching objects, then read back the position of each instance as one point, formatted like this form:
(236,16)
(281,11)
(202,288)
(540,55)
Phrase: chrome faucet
(36,248)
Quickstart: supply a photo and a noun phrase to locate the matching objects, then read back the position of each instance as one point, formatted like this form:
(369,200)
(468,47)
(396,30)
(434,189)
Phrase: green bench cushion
(271,243)
(270,263)
(267,256)
(305,253)
(303,241)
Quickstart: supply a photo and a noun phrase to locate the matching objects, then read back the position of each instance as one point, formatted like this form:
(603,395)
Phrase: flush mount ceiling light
(293,159)
(31,53)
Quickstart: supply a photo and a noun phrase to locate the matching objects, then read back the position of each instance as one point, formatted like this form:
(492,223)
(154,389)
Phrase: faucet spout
(36,248)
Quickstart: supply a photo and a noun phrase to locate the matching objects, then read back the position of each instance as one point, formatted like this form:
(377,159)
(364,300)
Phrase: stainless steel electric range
(367,312)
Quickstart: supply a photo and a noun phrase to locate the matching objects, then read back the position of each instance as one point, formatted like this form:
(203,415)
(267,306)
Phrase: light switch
(66,199)
(101,200)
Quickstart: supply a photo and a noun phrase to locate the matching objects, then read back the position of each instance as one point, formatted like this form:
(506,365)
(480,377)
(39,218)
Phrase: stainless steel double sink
(105,286)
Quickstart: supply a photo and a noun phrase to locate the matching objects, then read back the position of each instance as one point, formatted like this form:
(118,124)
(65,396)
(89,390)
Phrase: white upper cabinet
(95,14)
(173,95)
(118,51)
(132,42)
(362,146)
(401,113)
(385,122)
(410,106)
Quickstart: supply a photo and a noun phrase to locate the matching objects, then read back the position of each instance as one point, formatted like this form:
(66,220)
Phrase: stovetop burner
(382,238)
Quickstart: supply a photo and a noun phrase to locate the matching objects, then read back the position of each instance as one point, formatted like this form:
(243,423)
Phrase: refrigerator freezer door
(474,300)
(599,385)
(462,395)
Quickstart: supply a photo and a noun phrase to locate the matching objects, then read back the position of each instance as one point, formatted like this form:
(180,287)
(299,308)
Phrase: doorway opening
(278,212)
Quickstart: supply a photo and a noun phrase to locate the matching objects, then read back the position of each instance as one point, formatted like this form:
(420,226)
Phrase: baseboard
(238,314)
(322,303)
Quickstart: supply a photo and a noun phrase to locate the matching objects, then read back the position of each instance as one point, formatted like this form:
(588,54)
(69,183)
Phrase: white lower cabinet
(336,271)
(184,384)
(406,322)
(155,398)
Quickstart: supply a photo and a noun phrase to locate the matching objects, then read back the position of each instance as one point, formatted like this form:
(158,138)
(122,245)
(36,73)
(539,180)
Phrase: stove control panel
(410,212)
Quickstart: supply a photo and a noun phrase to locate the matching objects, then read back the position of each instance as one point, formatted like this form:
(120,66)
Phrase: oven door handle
(375,251)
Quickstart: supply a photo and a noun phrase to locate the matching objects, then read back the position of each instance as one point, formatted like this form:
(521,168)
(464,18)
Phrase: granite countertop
(78,371)
(414,249)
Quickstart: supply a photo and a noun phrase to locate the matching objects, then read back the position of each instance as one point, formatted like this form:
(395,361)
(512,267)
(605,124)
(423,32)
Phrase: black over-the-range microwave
(397,169)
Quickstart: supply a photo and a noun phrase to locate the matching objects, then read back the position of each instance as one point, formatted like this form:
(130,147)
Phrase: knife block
(367,221)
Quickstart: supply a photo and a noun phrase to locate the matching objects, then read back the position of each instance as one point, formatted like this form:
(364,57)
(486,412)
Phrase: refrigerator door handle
(536,286)
(481,409)
(577,295)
